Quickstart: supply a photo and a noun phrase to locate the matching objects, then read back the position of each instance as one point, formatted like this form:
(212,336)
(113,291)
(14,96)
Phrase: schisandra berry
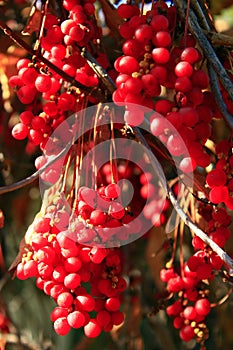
(61,326)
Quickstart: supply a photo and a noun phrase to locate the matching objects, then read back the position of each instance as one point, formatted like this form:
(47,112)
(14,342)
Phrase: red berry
(103,318)
(20,131)
(92,329)
(97,217)
(187,333)
(43,83)
(190,54)
(190,313)
(160,55)
(65,299)
(143,33)
(72,281)
(77,33)
(183,69)
(202,306)
(127,65)
(61,326)
(112,304)
(85,302)
(187,165)
(215,178)
(76,319)
(159,22)
(26,94)
(125,11)
(112,191)
(117,318)
(218,194)
(162,39)
(58,312)
(72,264)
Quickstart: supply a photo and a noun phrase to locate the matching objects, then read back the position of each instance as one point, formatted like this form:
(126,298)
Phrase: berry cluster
(105,215)
(71,246)
(220,180)
(150,63)
(191,305)
(63,267)
(61,45)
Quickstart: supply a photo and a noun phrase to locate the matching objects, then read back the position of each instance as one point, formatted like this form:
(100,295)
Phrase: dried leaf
(33,23)
(18,259)
(112,19)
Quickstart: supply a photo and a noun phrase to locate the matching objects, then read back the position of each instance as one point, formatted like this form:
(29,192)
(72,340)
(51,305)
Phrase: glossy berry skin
(61,326)
(20,131)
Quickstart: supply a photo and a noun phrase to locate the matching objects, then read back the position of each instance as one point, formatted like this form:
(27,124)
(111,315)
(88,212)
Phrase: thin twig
(197,231)
(219,39)
(211,55)
(99,70)
(218,96)
(202,14)
(208,25)
(28,180)
(207,48)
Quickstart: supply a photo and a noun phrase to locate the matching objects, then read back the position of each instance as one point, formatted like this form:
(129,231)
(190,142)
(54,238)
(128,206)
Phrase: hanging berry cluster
(61,45)
(63,268)
(151,62)
(189,282)
(72,246)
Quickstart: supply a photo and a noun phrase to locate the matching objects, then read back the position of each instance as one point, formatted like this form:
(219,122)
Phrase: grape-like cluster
(61,45)
(152,62)
(63,268)
(71,245)
(220,180)
(188,283)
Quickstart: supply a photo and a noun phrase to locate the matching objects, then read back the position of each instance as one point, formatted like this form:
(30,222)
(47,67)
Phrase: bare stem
(197,231)
(28,180)
(99,70)
(218,96)
(187,220)
(207,48)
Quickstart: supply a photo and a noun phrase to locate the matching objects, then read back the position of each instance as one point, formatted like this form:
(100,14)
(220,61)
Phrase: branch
(218,96)
(99,70)
(28,180)
(213,60)
(197,231)
(219,39)
(207,48)
(204,16)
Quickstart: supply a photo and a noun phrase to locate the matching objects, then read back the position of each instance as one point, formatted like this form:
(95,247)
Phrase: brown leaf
(18,259)
(112,19)
(33,23)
